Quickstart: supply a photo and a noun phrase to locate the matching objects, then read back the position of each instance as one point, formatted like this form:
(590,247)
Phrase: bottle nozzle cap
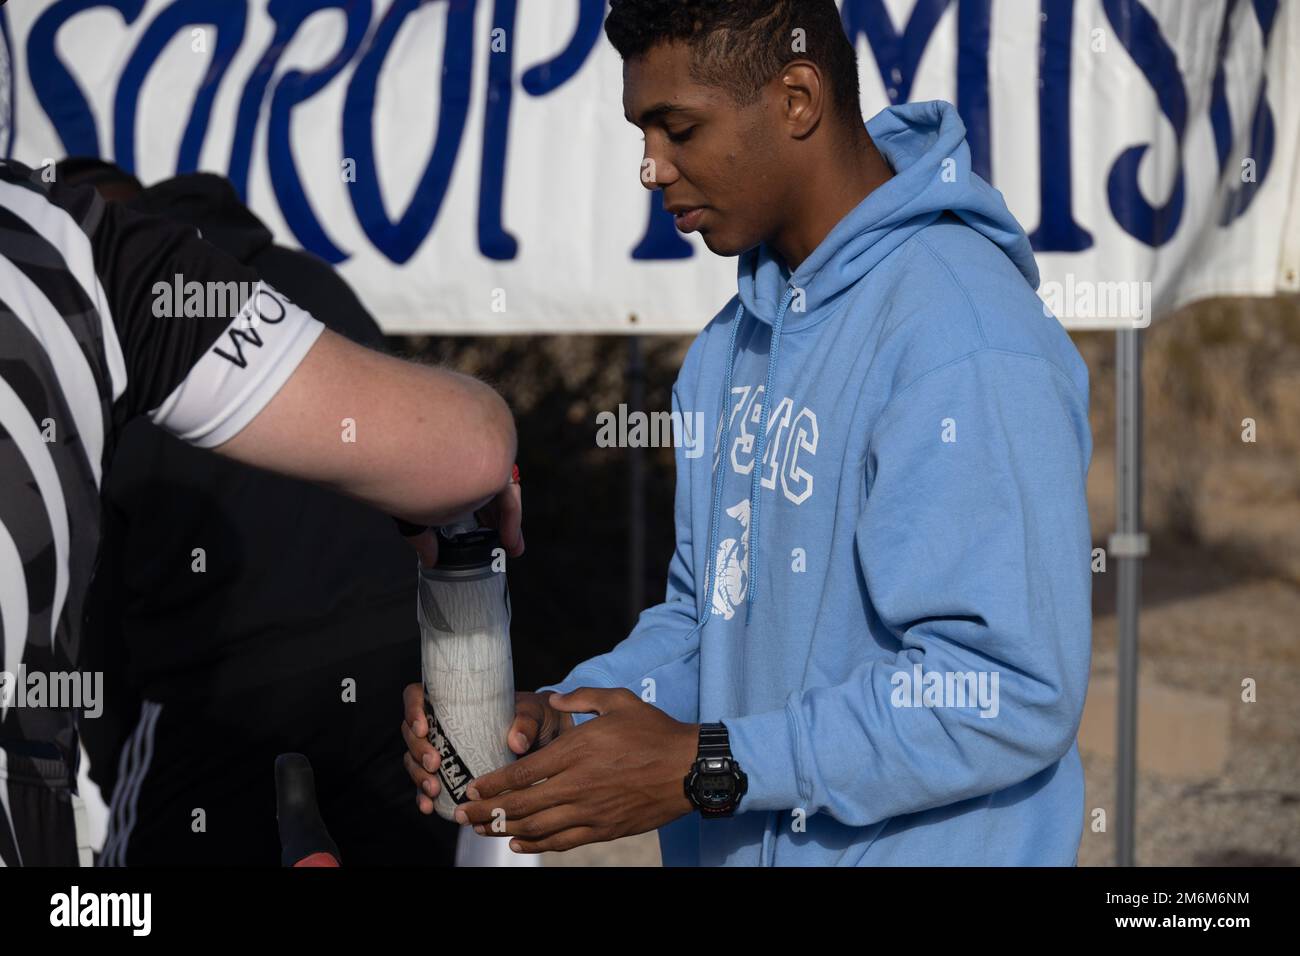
(461,524)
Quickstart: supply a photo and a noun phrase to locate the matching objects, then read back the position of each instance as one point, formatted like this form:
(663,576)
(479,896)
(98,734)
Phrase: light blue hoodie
(921,517)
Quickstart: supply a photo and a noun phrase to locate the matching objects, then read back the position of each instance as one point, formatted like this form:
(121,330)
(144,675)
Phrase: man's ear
(803,97)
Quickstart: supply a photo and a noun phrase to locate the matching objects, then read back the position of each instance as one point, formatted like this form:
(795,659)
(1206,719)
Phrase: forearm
(445,443)
(419,442)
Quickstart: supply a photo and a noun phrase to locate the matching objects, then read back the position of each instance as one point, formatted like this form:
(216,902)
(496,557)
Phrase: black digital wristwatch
(716,783)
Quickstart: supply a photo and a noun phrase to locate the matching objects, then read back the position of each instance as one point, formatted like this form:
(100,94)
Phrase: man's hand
(608,778)
(536,724)
(505,512)
(421,759)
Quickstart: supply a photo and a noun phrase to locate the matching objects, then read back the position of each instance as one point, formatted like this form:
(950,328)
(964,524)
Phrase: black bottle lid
(470,549)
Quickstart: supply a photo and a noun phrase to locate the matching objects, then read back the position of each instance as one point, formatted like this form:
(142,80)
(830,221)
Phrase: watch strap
(714,741)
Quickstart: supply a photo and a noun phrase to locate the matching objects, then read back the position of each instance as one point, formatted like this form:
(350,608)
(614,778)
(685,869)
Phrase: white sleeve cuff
(240,372)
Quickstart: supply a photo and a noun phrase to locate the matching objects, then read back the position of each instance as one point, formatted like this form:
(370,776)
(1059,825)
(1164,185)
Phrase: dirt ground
(1218,778)
(1219,772)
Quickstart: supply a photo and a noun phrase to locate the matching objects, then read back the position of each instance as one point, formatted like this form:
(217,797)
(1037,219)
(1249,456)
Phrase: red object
(514,475)
(317,859)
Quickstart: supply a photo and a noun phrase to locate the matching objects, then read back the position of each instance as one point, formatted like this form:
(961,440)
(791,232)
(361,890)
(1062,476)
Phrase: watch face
(715,789)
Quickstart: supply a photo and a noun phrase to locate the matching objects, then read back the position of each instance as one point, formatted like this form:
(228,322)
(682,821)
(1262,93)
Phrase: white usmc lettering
(788,437)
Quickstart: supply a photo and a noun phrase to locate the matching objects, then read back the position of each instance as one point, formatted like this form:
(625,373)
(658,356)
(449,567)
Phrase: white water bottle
(469,681)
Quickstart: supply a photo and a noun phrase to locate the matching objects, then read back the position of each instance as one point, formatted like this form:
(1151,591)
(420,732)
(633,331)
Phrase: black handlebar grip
(304,841)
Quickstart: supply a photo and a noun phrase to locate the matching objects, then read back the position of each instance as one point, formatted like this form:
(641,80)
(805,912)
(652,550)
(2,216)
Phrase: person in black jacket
(215,663)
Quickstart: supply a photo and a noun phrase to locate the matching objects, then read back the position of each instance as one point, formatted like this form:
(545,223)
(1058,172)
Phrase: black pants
(37,820)
(196,785)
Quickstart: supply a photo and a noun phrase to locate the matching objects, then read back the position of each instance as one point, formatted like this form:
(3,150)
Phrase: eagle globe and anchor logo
(732,562)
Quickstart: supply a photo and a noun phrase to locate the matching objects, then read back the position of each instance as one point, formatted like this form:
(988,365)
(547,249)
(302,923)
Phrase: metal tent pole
(1128,545)
(635,487)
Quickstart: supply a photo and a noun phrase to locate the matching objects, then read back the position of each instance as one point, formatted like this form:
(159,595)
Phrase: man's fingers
(559,842)
(535,826)
(426,546)
(423,803)
(505,512)
(420,750)
(425,782)
(523,773)
(521,735)
(518,805)
(588,700)
(527,723)
(413,709)
(510,520)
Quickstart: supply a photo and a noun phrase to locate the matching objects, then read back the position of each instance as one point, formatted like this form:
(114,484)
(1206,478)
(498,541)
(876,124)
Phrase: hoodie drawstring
(715,517)
(756,477)
(724,431)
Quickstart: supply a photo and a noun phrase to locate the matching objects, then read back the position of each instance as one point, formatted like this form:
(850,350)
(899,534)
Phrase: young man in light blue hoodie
(878,614)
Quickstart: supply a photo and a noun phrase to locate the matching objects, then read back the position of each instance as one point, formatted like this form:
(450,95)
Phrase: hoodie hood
(925,145)
(210,204)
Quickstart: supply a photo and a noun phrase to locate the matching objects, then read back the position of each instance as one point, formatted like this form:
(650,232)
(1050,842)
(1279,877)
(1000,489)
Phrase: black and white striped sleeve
(204,344)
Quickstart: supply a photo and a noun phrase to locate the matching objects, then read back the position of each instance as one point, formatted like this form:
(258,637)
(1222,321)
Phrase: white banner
(467,166)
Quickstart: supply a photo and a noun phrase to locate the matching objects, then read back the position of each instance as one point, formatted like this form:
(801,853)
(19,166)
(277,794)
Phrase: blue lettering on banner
(897,56)
(399,240)
(1057,230)
(494,242)
(56,90)
(1140,35)
(228,20)
(289,16)
(295,87)
(1261,126)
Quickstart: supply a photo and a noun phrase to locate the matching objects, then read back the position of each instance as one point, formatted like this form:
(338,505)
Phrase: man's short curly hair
(740,45)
